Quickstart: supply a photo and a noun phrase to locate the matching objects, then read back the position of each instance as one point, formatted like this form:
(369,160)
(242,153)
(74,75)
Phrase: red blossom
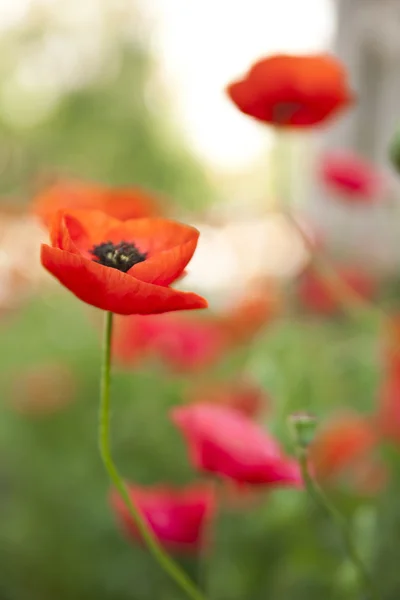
(121,203)
(344,448)
(125,267)
(317,296)
(223,441)
(241,394)
(293,91)
(178,517)
(183,343)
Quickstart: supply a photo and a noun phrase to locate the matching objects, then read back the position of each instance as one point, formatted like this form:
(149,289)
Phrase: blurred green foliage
(58,537)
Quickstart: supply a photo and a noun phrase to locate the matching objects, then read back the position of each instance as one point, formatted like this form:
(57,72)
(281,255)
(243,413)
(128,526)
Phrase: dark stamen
(120,256)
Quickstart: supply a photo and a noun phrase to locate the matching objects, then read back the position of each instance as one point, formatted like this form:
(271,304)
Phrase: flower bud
(303,427)
(394,150)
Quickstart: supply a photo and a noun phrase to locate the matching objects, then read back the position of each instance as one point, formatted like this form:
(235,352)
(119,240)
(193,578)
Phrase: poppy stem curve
(319,498)
(164,560)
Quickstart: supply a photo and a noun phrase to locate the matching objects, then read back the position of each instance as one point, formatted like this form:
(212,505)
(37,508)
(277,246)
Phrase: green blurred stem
(318,496)
(350,300)
(163,559)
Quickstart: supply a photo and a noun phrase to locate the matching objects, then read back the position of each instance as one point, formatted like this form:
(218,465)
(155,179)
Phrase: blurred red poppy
(257,309)
(121,203)
(293,91)
(178,517)
(42,389)
(241,394)
(352,178)
(122,266)
(392,346)
(223,441)
(388,412)
(345,448)
(182,343)
(316,295)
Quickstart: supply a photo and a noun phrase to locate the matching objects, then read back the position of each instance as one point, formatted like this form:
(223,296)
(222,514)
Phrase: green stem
(350,300)
(320,499)
(163,559)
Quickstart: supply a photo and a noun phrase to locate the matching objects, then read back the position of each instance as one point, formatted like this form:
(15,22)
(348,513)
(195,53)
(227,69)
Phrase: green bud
(303,427)
(394,151)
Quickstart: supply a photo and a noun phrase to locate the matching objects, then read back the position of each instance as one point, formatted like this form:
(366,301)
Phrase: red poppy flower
(122,266)
(254,312)
(354,179)
(293,91)
(121,203)
(388,414)
(242,395)
(316,295)
(177,516)
(392,346)
(344,448)
(222,441)
(182,343)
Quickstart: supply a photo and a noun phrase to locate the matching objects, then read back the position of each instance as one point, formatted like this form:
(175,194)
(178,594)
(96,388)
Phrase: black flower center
(120,256)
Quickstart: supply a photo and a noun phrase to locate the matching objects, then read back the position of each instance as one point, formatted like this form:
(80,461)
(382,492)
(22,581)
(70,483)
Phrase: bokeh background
(129,92)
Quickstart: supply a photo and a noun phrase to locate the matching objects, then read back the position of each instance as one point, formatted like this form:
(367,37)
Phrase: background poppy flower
(316,295)
(177,516)
(43,388)
(351,177)
(121,203)
(293,91)
(241,394)
(388,413)
(252,313)
(181,342)
(345,448)
(221,440)
(122,266)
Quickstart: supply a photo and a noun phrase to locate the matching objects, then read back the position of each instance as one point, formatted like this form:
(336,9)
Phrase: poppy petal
(169,247)
(112,290)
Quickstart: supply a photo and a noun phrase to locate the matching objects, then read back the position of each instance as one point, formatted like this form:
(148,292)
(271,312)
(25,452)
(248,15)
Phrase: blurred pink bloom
(182,342)
(352,178)
(221,440)
(178,517)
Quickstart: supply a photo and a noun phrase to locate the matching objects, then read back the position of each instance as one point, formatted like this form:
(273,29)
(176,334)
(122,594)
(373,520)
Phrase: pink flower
(176,516)
(183,343)
(352,178)
(221,440)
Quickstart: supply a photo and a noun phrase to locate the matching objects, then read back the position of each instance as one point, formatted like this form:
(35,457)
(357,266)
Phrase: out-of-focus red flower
(121,203)
(258,308)
(344,448)
(388,409)
(352,178)
(293,91)
(122,266)
(188,342)
(178,517)
(316,295)
(392,346)
(388,413)
(223,441)
(242,395)
(42,389)
(181,342)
